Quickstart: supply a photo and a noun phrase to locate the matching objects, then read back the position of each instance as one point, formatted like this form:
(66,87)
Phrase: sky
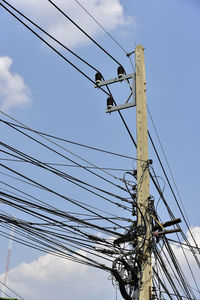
(41,90)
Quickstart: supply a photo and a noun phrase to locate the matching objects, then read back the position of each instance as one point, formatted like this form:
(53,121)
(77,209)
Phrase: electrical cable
(177,242)
(156,184)
(43,203)
(58,194)
(83,31)
(50,46)
(182,214)
(72,161)
(164,154)
(22,126)
(97,22)
(75,181)
(67,165)
(49,35)
(11,290)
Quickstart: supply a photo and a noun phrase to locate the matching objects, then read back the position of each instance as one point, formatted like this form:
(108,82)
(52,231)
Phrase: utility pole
(143,175)
(136,282)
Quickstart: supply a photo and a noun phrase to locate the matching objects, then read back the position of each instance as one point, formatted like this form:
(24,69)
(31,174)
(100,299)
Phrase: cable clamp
(129,54)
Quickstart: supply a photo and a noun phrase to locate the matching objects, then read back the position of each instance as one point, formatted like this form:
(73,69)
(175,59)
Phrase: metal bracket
(127,104)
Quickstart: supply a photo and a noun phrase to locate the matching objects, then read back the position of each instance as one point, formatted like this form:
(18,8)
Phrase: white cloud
(13,91)
(109,13)
(51,278)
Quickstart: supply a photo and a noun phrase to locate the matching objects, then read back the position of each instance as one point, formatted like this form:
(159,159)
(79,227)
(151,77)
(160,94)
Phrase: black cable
(68,165)
(75,181)
(164,268)
(167,161)
(106,31)
(194,247)
(54,253)
(68,141)
(23,226)
(171,188)
(181,280)
(49,35)
(68,250)
(11,290)
(177,295)
(83,31)
(178,268)
(43,203)
(156,184)
(58,194)
(49,45)
(72,161)
(79,205)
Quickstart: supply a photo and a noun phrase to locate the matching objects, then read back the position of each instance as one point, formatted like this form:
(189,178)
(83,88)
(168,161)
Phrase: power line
(167,162)
(98,23)
(49,35)
(163,169)
(54,192)
(64,156)
(11,290)
(67,165)
(62,139)
(49,45)
(83,31)
(180,243)
(108,33)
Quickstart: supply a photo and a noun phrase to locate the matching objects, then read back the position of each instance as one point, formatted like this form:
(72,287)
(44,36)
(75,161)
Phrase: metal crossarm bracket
(126,104)
(114,80)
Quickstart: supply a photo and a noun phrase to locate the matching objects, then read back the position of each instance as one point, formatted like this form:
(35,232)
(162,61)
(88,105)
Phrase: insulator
(98,77)
(134,196)
(150,161)
(134,187)
(110,102)
(151,201)
(135,173)
(120,71)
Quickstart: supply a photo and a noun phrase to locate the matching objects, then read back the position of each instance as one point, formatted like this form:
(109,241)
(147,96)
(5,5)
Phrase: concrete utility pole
(143,234)
(143,175)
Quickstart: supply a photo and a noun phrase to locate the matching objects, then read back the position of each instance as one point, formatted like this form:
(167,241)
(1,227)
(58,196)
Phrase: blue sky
(58,100)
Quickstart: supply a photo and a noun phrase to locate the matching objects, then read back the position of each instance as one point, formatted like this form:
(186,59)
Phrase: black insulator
(110,102)
(98,77)
(134,196)
(120,71)
(150,161)
(135,173)
(135,187)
